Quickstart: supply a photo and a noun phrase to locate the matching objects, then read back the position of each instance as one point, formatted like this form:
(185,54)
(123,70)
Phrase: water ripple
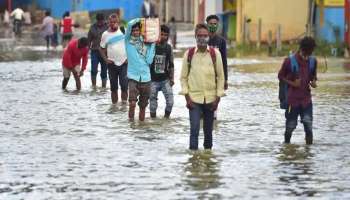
(75,145)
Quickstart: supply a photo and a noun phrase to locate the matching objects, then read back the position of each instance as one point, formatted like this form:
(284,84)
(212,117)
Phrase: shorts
(118,74)
(67,72)
(139,92)
(67,36)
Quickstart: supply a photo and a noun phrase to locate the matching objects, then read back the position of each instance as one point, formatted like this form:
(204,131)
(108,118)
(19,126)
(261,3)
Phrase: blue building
(333,26)
(4,4)
(131,8)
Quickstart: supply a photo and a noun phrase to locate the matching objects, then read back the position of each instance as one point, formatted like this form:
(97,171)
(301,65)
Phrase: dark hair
(83,41)
(47,13)
(200,26)
(172,19)
(307,43)
(117,11)
(137,25)
(114,16)
(100,16)
(212,17)
(66,14)
(164,28)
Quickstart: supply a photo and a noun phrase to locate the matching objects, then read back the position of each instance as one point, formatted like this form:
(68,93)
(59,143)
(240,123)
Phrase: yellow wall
(331,2)
(291,14)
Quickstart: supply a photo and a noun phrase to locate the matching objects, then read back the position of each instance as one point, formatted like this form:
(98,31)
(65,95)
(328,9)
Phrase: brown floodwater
(59,144)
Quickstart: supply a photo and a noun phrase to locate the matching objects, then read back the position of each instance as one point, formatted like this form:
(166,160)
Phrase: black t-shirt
(162,67)
(220,43)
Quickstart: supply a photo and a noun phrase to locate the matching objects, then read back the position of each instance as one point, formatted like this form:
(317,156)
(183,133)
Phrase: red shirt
(72,55)
(300,96)
(67,24)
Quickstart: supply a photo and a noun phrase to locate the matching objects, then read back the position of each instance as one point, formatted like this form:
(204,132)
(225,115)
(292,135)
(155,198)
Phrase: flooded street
(59,144)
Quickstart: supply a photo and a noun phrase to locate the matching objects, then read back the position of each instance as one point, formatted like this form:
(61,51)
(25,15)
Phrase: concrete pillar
(279,39)
(9,6)
(309,26)
(196,13)
(167,11)
(269,42)
(258,43)
(188,8)
(200,10)
(161,11)
(192,9)
(210,7)
(239,25)
(184,10)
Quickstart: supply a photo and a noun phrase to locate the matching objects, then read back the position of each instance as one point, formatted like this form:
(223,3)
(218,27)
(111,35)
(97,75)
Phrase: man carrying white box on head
(140,56)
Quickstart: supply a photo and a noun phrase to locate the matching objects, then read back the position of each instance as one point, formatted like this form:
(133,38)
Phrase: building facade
(130,9)
(330,20)
(181,10)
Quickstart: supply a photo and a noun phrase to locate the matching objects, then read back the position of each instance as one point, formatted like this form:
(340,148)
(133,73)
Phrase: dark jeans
(96,59)
(208,120)
(292,120)
(118,74)
(17,27)
(48,39)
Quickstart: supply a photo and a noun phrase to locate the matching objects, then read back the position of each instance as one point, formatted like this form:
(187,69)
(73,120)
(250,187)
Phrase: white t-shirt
(47,26)
(114,42)
(17,14)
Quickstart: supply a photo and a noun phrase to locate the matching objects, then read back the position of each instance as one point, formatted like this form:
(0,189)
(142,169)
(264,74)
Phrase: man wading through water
(75,53)
(162,74)
(94,37)
(112,49)
(202,82)
(218,42)
(297,75)
(140,57)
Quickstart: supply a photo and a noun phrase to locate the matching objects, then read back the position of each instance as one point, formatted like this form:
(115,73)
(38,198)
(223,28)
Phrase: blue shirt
(140,56)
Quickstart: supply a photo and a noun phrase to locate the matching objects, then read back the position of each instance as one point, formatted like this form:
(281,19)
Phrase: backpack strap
(213,58)
(294,64)
(312,63)
(212,53)
(189,57)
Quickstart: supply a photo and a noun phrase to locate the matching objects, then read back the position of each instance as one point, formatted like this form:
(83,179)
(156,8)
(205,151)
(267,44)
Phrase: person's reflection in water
(202,172)
(346,66)
(296,174)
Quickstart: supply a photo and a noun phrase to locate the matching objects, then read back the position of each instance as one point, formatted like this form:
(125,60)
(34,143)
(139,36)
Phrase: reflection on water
(295,170)
(292,152)
(202,171)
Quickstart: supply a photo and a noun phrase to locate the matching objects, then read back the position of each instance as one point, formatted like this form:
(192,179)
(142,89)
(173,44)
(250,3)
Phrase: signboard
(332,3)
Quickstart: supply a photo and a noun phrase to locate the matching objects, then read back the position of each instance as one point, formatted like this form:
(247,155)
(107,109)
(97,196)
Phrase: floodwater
(59,144)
